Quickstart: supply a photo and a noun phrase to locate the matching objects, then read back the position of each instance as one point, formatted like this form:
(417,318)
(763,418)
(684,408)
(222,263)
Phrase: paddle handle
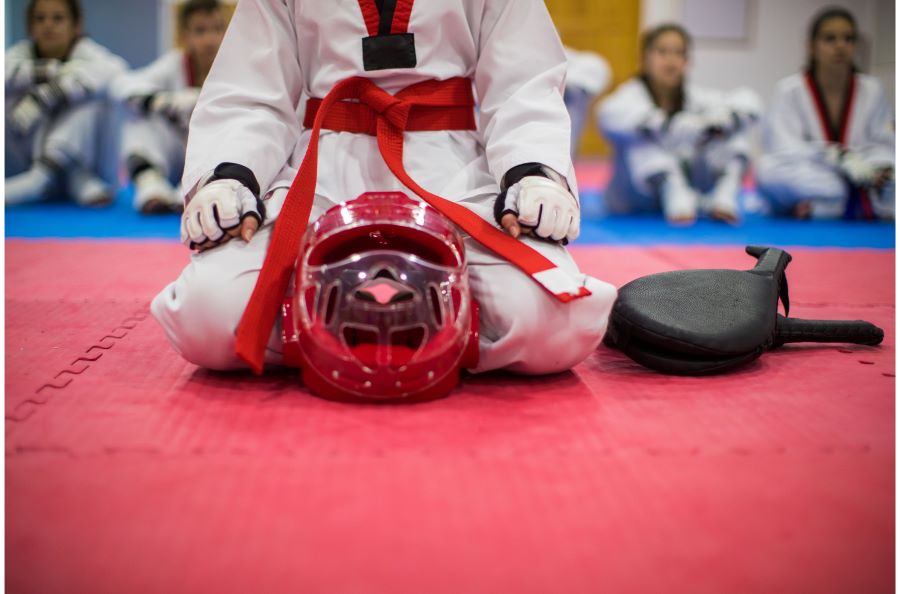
(770,260)
(850,331)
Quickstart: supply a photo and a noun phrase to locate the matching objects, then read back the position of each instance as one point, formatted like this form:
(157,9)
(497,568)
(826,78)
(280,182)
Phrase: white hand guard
(719,122)
(46,70)
(746,106)
(216,208)
(45,98)
(687,128)
(653,125)
(859,171)
(545,206)
(176,105)
(833,154)
(26,114)
(851,165)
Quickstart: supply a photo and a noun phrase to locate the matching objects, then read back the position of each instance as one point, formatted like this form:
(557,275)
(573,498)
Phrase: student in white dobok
(829,135)
(679,148)
(161,98)
(246,143)
(56,83)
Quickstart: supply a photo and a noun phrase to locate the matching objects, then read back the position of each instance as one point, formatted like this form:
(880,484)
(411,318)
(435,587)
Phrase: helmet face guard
(382,307)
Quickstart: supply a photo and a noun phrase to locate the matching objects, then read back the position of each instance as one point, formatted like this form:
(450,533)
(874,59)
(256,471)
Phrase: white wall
(776,39)
(884,63)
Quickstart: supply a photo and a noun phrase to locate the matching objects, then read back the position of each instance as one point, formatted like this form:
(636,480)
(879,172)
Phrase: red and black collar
(839,133)
(389,44)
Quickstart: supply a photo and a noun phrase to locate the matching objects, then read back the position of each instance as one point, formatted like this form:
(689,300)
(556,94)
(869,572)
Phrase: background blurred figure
(161,98)
(678,148)
(829,140)
(587,76)
(56,84)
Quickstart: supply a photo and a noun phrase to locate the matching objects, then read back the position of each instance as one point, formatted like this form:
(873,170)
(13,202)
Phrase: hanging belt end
(251,356)
(561,284)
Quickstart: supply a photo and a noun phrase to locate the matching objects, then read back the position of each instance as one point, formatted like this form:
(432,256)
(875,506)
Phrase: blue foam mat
(59,218)
(647,230)
(119,220)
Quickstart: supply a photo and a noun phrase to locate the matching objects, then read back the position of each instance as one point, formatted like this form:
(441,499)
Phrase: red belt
(430,105)
(361,119)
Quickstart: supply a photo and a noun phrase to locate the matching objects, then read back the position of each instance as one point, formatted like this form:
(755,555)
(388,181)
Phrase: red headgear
(382,307)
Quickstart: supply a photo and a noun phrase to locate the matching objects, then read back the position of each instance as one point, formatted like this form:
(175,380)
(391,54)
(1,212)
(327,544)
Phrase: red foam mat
(136,472)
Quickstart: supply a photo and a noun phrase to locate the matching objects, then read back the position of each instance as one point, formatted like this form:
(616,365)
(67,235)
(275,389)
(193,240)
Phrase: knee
(584,322)
(550,336)
(792,181)
(200,312)
(646,159)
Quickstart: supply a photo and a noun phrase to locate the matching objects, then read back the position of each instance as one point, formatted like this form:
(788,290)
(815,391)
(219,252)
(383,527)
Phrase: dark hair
(815,27)
(832,12)
(73,5)
(647,40)
(651,35)
(191,7)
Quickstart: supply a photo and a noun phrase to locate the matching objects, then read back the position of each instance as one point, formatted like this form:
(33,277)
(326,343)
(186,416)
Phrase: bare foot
(682,220)
(803,210)
(158,206)
(725,216)
(100,201)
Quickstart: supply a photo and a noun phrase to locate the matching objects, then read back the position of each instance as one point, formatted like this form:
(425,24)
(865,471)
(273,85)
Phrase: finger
(194,230)
(529,208)
(229,213)
(561,229)
(547,218)
(209,222)
(574,228)
(234,232)
(510,225)
(249,226)
(184,232)
(209,244)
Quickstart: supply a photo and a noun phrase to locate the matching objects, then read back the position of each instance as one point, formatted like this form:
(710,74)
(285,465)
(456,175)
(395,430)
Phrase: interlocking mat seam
(64,377)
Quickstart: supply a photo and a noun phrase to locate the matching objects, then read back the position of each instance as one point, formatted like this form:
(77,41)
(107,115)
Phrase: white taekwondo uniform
(153,137)
(69,136)
(796,166)
(277,51)
(648,144)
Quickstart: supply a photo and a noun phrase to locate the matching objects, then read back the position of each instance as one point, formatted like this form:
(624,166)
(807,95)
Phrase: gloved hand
(653,125)
(543,206)
(687,129)
(718,123)
(219,211)
(859,171)
(46,70)
(176,105)
(883,175)
(32,107)
(852,165)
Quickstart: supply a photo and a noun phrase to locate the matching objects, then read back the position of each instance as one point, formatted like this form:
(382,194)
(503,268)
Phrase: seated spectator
(161,98)
(828,138)
(587,76)
(56,84)
(679,148)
